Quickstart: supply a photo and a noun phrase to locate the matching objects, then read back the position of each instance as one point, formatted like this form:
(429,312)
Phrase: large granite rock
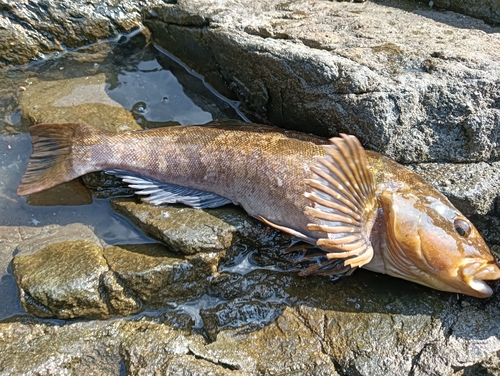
(414,83)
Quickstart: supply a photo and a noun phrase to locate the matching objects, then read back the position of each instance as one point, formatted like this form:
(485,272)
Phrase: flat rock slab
(414,83)
(184,230)
(190,231)
(77,100)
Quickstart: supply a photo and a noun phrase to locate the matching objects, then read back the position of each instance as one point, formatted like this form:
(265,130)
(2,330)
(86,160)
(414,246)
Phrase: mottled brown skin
(248,165)
(412,227)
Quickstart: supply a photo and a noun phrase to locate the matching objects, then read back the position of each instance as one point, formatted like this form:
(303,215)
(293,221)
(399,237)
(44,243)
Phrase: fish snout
(475,273)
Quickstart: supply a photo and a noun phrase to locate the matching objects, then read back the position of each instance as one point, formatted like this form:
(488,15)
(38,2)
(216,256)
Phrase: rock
(488,10)
(18,45)
(156,276)
(68,280)
(422,93)
(112,347)
(77,100)
(78,279)
(73,192)
(185,230)
(264,321)
(105,185)
(471,187)
(36,238)
(29,31)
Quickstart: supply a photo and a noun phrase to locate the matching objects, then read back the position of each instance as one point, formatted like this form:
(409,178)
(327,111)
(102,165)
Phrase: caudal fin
(51,162)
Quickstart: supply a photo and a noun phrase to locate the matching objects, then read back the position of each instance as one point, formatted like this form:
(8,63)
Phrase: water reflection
(156,91)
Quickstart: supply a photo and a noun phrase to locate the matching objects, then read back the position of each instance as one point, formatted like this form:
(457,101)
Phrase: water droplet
(165,99)
(139,108)
(96,65)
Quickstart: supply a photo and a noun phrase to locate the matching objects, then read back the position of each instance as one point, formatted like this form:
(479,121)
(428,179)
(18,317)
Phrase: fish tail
(52,161)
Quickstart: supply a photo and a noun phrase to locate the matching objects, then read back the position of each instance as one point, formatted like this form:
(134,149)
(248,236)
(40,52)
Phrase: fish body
(358,207)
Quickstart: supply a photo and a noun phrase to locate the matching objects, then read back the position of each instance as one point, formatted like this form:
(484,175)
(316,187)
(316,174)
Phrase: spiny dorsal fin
(342,196)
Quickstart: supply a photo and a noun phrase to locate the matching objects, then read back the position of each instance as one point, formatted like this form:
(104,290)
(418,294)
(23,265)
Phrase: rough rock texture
(49,289)
(34,239)
(413,83)
(472,187)
(190,231)
(488,10)
(158,277)
(78,279)
(176,226)
(28,30)
(256,316)
(360,325)
(418,84)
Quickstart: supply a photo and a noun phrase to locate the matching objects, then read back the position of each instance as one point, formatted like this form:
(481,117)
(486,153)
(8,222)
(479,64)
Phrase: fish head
(431,243)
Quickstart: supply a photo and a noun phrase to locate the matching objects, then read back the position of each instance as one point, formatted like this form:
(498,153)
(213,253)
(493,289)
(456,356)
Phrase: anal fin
(164,193)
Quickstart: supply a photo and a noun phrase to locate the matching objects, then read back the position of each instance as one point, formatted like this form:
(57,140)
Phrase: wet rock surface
(222,299)
(79,279)
(76,100)
(30,30)
(254,315)
(184,229)
(363,325)
(49,289)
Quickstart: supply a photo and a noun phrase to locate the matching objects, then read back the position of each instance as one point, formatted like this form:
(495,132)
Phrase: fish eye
(462,227)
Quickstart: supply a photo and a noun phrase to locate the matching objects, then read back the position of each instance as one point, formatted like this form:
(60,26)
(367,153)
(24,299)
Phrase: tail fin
(51,162)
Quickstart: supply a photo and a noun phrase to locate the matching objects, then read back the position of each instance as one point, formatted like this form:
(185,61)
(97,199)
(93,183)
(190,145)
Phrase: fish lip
(476,281)
(481,287)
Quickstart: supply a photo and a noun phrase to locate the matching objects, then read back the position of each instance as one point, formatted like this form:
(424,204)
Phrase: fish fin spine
(52,161)
(341,192)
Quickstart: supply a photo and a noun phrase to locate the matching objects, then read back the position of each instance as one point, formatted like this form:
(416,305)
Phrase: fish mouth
(478,274)
(481,287)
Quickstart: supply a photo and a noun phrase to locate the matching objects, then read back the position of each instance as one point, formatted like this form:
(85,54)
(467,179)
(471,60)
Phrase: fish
(353,208)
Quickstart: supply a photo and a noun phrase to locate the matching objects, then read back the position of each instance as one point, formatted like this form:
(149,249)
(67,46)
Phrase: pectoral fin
(342,201)
(287,229)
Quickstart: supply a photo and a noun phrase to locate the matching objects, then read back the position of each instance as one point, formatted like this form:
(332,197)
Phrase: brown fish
(358,207)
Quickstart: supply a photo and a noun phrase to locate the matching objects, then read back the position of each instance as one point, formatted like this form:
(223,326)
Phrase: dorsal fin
(342,196)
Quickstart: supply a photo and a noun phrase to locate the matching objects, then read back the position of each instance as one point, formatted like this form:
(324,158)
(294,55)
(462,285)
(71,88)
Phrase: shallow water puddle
(136,87)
